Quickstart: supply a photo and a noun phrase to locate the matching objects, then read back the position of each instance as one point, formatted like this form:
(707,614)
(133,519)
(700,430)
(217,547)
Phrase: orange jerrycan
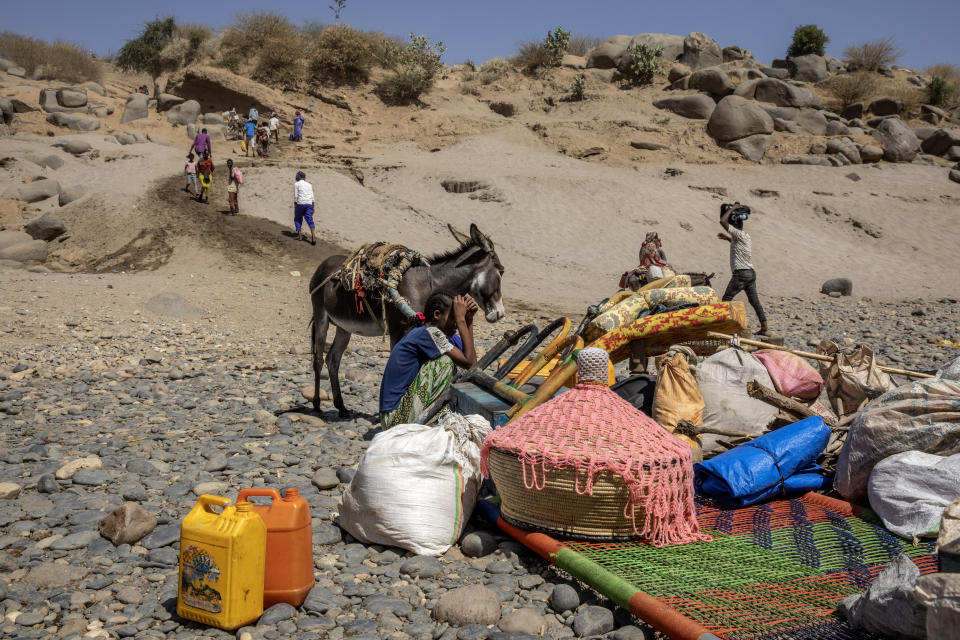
(222,557)
(289,573)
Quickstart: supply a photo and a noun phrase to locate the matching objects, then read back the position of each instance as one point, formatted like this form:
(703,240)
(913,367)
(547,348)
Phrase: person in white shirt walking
(744,276)
(303,206)
(275,127)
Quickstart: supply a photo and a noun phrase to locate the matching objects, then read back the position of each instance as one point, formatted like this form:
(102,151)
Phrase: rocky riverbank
(166,395)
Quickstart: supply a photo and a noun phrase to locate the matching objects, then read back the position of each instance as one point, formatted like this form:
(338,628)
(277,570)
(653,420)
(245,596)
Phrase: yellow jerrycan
(222,560)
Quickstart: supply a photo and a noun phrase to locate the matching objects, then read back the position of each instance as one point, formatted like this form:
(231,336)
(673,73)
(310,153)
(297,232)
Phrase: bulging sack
(723,379)
(909,491)
(851,379)
(677,396)
(416,486)
(921,416)
(791,374)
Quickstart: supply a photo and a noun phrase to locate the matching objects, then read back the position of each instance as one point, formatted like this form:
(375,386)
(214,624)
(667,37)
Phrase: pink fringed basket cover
(592,428)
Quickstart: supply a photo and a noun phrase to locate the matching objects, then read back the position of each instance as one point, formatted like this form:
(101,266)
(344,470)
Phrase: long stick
(771,397)
(814,356)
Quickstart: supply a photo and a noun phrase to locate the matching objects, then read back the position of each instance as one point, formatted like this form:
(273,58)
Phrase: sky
(925,30)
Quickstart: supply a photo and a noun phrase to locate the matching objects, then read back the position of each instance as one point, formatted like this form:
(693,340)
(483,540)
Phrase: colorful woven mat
(773,571)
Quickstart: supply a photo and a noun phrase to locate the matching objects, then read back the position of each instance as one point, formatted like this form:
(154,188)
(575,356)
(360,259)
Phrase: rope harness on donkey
(377,267)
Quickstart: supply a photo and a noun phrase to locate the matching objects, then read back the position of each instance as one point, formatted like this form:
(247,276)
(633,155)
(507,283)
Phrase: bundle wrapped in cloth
(588,465)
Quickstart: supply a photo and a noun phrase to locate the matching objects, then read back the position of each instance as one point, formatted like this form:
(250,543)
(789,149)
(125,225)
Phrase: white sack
(723,379)
(416,486)
(923,415)
(910,490)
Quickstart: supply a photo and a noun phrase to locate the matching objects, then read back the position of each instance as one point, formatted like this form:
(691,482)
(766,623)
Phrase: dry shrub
(493,70)
(945,89)
(251,33)
(342,54)
(29,53)
(849,88)
(911,96)
(580,44)
(532,57)
(281,63)
(869,56)
(57,61)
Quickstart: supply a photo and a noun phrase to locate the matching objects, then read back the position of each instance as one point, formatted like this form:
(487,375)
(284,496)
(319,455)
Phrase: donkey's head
(486,271)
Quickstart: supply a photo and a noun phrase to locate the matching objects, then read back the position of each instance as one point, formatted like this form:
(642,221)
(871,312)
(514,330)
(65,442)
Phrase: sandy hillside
(566,224)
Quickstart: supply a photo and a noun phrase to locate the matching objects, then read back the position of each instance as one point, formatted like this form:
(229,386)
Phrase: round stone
(564,598)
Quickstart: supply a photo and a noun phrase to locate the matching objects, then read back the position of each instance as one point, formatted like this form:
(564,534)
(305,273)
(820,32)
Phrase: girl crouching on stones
(422,364)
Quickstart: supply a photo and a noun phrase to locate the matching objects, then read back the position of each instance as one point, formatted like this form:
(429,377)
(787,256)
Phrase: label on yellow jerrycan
(222,559)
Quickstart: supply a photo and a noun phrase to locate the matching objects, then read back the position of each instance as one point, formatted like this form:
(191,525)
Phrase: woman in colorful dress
(422,364)
(654,259)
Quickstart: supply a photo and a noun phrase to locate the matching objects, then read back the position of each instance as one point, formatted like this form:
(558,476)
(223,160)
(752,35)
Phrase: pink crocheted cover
(592,428)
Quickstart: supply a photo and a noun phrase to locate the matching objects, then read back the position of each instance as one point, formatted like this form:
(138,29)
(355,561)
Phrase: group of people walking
(199,169)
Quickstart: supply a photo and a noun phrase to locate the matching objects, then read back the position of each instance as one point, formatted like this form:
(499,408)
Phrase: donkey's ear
(480,239)
(462,238)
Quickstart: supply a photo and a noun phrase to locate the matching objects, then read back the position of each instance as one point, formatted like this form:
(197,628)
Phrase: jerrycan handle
(206,501)
(245,494)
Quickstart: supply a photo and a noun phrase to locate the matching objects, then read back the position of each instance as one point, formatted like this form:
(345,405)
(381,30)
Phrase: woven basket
(558,508)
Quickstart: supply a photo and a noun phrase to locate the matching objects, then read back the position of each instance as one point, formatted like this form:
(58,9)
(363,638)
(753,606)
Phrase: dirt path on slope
(242,242)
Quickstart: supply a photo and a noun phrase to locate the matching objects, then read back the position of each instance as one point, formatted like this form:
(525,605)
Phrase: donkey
(472,268)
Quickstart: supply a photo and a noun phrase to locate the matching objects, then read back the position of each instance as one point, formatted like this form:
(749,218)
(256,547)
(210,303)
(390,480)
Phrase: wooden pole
(814,356)
(771,397)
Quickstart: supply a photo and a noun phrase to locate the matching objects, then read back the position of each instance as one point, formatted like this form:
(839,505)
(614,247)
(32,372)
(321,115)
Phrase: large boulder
(712,80)
(870,153)
(846,148)
(45,227)
(72,98)
(834,65)
(700,50)
(184,113)
(75,146)
(808,68)
(568,61)
(696,107)
(678,72)
(752,148)
(778,92)
(672,47)
(125,138)
(886,106)
(940,141)
(213,118)
(812,121)
(96,87)
(853,111)
(736,117)
(32,251)
(70,194)
(608,53)
(74,121)
(35,191)
(10,238)
(168,100)
(51,161)
(899,142)
(135,109)
(734,53)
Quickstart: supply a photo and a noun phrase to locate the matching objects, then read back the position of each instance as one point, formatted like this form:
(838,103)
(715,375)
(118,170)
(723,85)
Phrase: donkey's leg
(340,342)
(318,337)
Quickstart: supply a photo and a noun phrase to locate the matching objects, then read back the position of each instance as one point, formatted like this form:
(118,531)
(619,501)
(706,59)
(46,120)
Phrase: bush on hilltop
(869,56)
(808,38)
(50,61)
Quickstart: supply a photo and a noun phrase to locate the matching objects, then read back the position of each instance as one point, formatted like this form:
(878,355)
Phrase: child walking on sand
(206,177)
(234,180)
(190,169)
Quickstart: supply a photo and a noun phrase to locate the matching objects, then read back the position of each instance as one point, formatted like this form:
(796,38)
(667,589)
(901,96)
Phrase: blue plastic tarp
(779,463)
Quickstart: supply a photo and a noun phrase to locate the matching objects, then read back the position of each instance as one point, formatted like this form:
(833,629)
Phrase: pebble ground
(180,401)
